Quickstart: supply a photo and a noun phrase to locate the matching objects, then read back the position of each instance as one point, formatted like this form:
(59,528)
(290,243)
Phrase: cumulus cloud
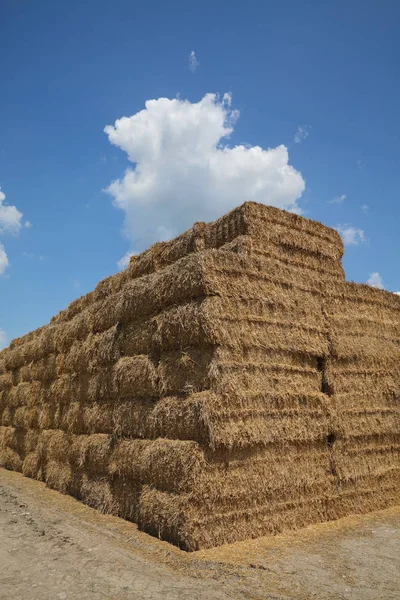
(185,170)
(301,134)
(3,339)
(10,217)
(397,293)
(375,280)
(10,222)
(338,199)
(351,236)
(193,62)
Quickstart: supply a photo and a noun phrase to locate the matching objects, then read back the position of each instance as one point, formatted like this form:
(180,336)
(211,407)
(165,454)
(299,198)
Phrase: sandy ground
(53,547)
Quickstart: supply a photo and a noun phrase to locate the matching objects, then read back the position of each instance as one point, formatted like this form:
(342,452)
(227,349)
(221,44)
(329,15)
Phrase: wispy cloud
(193,62)
(338,199)
(302,133)
(351,236)
(365,208)
(360,164)
(375,280)
(33,255)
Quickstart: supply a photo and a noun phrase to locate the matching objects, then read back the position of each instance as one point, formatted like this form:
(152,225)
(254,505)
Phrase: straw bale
(6,381)
(92,452)
(109,285)
(185,371)
(31,467)
(46,416)
(71,418)
(97,493)
(366,457)
(131,418)
(137,338)
(172,465)
(7,416)
(25,417)
(44,369)
(98,418)
(59,476)
(126,495)
(31,440)
(10,459)
(58,445)
(99,350)
(135,376)
(99,386)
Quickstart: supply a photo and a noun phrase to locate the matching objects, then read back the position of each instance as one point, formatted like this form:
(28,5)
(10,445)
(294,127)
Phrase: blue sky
(317,83)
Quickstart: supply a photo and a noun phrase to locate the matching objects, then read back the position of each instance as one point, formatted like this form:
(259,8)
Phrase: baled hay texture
(278,472)
(46,416)
(245,419)
(172,465)
(97,493)
(365,457)
(2,362)
(105,314)
(6,381)
(72,418)
(58,445)
(109,285)
(71,331)
(100,386)
(177,418)
(31,439)
(137,338)
(365,422)
(25,394)
(44,369)
(31,467)
(26,418)
(185,371)
(126,495)
(369,349)
(131,418)
(75,360)
(59,476)
(92,452)
(7,416)
(290,256)
(10,459)
(101,349)
(135,376)
(273,225)
(98,418)
(13,438)
(176,284)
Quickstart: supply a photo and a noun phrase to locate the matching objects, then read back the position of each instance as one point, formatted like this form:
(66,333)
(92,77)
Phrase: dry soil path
(52,547)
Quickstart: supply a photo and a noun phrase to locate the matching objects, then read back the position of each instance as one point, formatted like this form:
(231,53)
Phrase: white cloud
(338,199)
(28,224)
(10,217)
(3,339)
(185,170)
(3,259)
(193,62)
(10,222)
(397,293)
(365,208)
(124,261)
(351,236)
(301,134)
(375,280)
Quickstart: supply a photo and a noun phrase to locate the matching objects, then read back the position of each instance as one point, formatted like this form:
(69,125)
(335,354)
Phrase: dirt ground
(53,547)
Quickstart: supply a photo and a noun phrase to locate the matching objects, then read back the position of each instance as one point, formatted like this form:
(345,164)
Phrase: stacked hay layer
(364,378)
(198,393)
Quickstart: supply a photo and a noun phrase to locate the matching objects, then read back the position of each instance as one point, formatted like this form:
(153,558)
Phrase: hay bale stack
(232,358)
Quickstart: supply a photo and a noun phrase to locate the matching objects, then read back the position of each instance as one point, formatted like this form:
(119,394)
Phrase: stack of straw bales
(226,385)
